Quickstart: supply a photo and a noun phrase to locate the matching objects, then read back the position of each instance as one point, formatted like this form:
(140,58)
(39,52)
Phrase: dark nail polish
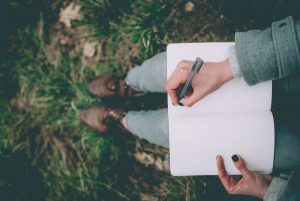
(173,103)
(180,104)
(235,158)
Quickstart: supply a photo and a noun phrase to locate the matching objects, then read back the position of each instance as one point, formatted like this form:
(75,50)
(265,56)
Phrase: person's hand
(211,76)
(249,183)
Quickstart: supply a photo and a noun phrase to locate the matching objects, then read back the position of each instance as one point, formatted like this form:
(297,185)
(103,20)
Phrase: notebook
(235,119)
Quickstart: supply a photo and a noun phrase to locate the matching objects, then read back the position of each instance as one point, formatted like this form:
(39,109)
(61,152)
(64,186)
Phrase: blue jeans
(151,76)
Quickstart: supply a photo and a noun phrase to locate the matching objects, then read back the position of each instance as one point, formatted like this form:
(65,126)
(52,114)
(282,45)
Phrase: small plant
(132,23)
(148,25)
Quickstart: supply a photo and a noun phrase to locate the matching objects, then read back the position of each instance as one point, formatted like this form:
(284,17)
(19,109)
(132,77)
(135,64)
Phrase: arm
(269,54)
(258,56)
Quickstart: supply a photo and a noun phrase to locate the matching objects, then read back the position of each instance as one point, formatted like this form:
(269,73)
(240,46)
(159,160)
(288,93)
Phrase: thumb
(241,166)
(192,99)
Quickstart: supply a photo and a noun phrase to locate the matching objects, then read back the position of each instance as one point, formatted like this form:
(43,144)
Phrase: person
(257,56)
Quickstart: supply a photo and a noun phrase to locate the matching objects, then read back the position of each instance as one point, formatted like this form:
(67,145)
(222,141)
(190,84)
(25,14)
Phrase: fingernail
(235,158)
(180,104)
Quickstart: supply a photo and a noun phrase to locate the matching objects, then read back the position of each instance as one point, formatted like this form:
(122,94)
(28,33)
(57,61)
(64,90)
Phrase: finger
(222,174)
(173,95)
(192,99)
(241,166)
(177,78)
(174,82)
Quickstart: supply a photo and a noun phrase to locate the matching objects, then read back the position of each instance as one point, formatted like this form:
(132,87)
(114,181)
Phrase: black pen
(195,69)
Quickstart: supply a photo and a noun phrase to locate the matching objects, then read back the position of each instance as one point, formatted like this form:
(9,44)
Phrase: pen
(195,69)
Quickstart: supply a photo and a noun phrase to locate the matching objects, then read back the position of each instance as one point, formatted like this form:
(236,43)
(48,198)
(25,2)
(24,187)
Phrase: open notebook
(235,119)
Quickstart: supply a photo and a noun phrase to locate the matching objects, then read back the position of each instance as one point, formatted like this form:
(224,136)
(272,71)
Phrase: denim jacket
(261,55)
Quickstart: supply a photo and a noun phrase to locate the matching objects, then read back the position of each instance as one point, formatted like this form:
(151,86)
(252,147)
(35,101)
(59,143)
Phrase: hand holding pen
(210,77)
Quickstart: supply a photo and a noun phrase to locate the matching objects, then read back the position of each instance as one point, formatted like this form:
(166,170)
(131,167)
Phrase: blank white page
(234,113)
(195,142)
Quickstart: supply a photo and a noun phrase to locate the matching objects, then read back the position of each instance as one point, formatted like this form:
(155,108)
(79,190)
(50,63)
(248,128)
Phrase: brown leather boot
(100,118)
(111,85)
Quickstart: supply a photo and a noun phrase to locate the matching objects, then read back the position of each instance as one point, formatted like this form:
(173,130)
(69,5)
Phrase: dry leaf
(89,49)
(69,13)
(189,6)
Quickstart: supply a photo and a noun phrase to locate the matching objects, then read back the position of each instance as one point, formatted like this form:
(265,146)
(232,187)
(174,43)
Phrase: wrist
(263,192)
(227,74)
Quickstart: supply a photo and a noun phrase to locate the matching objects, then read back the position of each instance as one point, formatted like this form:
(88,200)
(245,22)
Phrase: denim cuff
(276,187)
(234,65)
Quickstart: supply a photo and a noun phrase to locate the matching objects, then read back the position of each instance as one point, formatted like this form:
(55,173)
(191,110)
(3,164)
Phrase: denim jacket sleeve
(269,54)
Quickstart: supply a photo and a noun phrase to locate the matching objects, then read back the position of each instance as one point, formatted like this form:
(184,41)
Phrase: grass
(45,152)
(35,124)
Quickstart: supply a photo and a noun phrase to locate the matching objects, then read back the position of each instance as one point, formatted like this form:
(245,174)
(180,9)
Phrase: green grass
(132,23)
(43,119)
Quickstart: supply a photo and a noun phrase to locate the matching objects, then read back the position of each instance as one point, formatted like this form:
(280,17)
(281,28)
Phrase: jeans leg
(286,111)
(151,76)
(286,94)
(287,148)
(150,125)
